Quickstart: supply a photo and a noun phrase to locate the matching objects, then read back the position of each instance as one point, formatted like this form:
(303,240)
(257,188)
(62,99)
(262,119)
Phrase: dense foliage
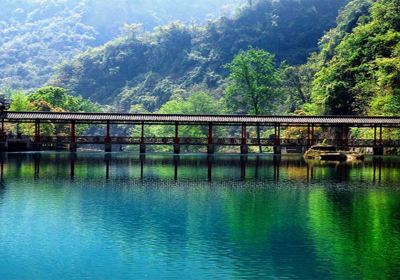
(35,35)
(145,69)
(363,75)
(48,99)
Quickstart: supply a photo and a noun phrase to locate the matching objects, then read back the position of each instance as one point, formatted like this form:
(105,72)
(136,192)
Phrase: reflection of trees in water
(267,222)
(355,232)
(162,168)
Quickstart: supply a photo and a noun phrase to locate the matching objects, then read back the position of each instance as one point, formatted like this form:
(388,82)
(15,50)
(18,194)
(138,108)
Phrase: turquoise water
(123,216)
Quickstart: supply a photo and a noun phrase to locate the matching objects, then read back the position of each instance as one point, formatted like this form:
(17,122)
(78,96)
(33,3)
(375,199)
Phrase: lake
(160,216)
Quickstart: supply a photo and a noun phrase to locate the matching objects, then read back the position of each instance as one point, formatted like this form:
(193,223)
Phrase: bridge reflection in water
(228,170)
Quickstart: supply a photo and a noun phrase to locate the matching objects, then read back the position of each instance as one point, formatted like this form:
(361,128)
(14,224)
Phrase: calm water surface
(123,216)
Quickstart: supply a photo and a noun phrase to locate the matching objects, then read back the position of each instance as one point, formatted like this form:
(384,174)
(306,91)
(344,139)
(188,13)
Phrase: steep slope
(363,75)
(147,69)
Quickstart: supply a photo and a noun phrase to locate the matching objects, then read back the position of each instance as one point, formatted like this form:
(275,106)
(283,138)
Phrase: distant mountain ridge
(147,69)
(35,35)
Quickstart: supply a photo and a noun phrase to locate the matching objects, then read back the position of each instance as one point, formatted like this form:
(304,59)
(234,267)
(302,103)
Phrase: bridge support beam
(177,146)
(210,146)
(378,147)
(312,135)
(72,142)
(244,148)
(277,142)
(142,147)
(3,138)
(378,151)
(107,140)
(36,144)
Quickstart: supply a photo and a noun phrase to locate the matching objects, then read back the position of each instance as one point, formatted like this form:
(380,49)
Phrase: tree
(252,84)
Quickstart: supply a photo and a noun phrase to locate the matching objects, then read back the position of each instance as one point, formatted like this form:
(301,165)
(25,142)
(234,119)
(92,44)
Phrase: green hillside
(36,35)
(146,69)
(362,74)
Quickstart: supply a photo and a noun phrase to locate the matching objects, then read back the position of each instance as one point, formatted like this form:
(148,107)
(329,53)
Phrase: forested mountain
(146,69)
(35,35)
(362,72)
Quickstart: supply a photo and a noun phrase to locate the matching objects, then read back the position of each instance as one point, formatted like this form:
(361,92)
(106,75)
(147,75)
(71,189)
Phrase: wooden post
(279,134)
(244,133)
(177,148)
(108,145)
(378,149)
(312,135)
(210,147)
(277,141)
(3,138)
(72,144)
(308,135)
(244,148)
(210,133)
(142,133)
(3,134)
(37,131)
(142,147)
(36,144)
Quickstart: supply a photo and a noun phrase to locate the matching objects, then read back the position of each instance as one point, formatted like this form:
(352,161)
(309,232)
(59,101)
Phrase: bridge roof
(221,119)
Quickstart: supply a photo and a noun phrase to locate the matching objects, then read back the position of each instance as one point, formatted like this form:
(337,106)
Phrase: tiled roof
(157,118)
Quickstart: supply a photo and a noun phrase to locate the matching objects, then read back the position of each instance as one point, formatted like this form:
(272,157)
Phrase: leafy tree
(252,84)
(297,82)
(198,103)
(50,99)
(57,97)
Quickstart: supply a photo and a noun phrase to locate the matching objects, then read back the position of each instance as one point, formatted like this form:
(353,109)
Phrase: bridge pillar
(142,147)
(244,148)
(107,144)
(277,142)
(378,151)
(177,146)
(36,144)
(312,135)
(210,146)
(72,143)
(3,138)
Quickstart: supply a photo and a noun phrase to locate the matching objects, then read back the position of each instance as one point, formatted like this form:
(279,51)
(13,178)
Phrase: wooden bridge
(310,123)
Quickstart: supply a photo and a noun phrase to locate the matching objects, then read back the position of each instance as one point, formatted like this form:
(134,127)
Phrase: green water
(122,216)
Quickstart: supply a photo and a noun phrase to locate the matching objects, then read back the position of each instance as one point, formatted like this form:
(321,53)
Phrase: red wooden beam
(210,133)
(244,133)
(312,135)
(142,133)
(37,131)
(176,133)
(73,132)
(108,136)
